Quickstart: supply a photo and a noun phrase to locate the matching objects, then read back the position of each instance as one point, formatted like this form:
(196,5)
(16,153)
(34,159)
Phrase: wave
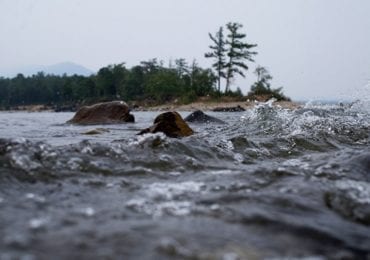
(272,176)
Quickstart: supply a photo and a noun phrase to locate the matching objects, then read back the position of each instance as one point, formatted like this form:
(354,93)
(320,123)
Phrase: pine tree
(263,75)
(182,67)
(262,86)
(218,53)
(238,52)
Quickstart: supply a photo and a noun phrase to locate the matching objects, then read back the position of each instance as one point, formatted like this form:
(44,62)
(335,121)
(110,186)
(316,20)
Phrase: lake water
(269,184)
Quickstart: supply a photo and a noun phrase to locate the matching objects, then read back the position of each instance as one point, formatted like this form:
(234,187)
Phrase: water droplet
(230,256)
(37,223)
(215,207)
(175,173)
(88,212)
(238,158)
(110,185)
(87,150)
(35,198)
(75,163)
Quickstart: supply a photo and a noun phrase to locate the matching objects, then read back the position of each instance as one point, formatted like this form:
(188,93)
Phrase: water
(271,183)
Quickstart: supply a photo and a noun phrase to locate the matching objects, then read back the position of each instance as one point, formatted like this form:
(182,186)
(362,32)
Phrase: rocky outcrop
(103,113)
(171,124)
(199,117)
(229,109)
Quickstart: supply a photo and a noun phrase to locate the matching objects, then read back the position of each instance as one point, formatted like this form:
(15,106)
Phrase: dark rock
(229,109)
(103,113)
(171,124)
(130,118)
(199,117)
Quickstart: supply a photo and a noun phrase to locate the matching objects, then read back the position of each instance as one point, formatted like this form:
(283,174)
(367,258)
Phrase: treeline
(150,81)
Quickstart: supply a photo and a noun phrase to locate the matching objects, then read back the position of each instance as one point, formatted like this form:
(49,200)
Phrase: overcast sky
(314,48)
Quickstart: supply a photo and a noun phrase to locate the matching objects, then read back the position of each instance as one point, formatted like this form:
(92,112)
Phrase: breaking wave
(268,178)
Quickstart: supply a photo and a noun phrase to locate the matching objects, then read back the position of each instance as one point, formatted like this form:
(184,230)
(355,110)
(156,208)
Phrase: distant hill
(68,68)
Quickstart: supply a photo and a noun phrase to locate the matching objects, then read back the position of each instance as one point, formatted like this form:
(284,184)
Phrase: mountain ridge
(61,68)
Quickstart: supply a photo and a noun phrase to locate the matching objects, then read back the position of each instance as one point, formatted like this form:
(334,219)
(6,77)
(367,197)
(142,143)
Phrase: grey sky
(314,48)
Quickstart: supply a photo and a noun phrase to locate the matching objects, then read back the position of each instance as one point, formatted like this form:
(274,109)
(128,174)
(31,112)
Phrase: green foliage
(262,86)
(135,85)
(188,97)
(163,86)
(235,94)
(238,53)
(110,80)
(150,80)
(218,53)
(201,80)
(230,54)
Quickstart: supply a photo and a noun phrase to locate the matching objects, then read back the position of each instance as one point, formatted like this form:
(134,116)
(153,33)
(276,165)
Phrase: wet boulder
(229,109)
(199,117)
(103,113)
(171,124)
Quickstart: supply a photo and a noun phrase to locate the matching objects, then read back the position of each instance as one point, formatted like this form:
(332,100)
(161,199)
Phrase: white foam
(355,190)
(35,197)
(38,223)
(157,199)
(169,191)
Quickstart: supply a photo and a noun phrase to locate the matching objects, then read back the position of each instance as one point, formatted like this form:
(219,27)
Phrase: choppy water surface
(271,183)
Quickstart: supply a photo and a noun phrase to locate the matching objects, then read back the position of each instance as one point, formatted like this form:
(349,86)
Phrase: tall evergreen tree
(218,53)
(262,74)
(262,86)
(181,67)
(238,52)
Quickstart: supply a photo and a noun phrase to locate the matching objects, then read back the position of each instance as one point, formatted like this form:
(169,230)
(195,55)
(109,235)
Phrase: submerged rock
(199,117)
(171,124)
(103,113)
(96,131)
(229,109)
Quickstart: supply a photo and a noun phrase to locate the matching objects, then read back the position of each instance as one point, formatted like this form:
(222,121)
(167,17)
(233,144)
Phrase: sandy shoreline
(200,105)
(209,106)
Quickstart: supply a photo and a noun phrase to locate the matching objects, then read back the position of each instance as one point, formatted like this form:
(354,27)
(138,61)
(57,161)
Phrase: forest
(151,82)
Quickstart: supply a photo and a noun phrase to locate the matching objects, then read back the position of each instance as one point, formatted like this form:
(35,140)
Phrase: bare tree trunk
(228,78)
